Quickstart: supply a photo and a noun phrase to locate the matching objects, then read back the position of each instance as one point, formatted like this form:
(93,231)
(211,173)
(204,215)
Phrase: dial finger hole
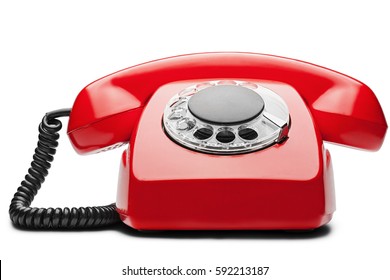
(177,113)
(185,124)
(187,92)
(203,86)
(248,134)
(203,133)
(225,136)
(249,85)
(227,82)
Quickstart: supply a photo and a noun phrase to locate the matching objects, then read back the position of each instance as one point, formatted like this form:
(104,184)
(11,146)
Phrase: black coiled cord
(22,215)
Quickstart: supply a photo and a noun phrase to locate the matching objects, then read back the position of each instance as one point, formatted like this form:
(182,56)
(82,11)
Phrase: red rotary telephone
(217,141)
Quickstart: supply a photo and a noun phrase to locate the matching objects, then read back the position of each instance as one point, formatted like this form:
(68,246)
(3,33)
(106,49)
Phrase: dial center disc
(226,104)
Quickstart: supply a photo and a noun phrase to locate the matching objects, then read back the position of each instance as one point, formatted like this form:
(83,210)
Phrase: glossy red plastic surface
(345,110)
(166,186)
(286,186)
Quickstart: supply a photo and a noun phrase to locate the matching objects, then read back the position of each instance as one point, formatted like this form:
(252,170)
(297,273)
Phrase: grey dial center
(226,104)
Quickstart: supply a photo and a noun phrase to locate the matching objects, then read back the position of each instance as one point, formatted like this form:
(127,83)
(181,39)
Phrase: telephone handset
(217,141)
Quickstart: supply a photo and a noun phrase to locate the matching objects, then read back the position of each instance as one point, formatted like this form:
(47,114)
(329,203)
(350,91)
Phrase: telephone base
(163,186)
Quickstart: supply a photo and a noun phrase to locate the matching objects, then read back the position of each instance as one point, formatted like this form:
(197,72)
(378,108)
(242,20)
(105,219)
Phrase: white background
(50,51)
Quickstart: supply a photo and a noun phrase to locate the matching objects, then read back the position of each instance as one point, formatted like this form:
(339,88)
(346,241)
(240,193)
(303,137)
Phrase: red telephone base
(163,186)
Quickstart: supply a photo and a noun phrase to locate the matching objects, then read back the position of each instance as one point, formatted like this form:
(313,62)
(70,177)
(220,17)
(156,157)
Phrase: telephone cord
(24,216)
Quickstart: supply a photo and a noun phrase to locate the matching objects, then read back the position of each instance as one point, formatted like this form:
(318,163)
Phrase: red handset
(217,141)
(345,110)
